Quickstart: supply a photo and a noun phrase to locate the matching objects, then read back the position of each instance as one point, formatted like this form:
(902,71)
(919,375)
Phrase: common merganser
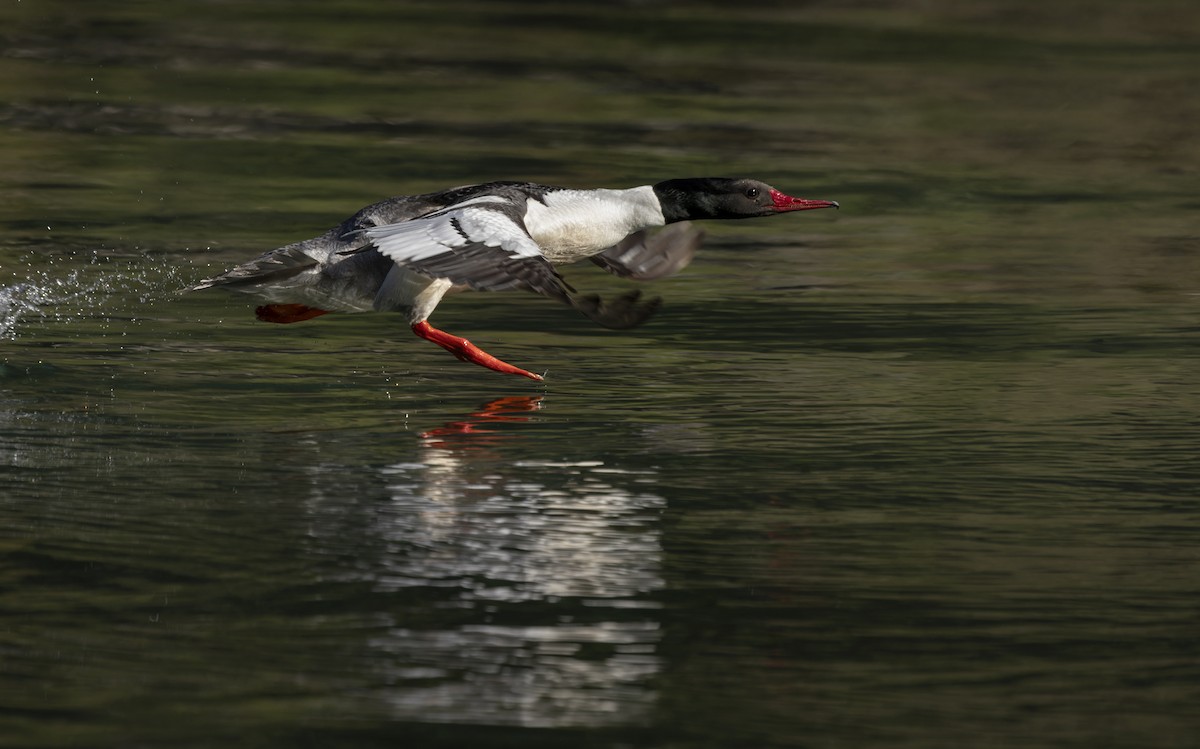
(405,253)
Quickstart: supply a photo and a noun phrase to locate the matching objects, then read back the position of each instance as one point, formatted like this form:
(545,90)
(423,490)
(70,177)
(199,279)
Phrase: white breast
(575,224)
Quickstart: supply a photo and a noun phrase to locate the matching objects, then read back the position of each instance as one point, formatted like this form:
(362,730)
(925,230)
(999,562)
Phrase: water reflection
(543,569)
(474,430)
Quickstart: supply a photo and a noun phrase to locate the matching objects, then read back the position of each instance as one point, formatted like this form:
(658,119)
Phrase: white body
(576,224)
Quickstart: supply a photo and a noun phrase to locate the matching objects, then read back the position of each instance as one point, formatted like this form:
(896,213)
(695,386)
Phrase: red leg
(467,351)
(285,313)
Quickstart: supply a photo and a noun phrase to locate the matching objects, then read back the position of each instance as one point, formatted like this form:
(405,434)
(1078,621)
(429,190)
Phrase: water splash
(100,286)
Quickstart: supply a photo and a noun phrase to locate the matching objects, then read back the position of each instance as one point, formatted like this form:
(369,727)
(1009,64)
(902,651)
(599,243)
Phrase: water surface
(920,473)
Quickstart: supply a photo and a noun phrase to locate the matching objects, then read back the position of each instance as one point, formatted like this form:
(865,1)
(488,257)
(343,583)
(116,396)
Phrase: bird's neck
(686,199)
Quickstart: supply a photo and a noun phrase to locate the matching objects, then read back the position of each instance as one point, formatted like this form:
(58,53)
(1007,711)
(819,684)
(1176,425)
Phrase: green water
(918,473)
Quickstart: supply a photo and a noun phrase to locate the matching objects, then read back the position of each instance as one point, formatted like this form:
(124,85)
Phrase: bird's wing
(646,257)
(481,243)
(643,257)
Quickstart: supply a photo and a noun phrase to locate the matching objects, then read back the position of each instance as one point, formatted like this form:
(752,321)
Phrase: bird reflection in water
(474,430)
(545,572)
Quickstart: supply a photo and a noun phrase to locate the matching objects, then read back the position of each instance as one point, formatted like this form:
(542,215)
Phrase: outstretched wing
(646,257)
(643,257)
(481,243)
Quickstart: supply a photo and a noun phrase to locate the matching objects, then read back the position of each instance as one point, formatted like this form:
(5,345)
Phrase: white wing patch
(480,243)
(467,224)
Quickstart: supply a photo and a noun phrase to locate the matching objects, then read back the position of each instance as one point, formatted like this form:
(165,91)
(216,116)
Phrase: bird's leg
(287,313)
(467,351)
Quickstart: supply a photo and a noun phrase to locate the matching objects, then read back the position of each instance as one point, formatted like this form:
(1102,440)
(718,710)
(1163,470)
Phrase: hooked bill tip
(788,203)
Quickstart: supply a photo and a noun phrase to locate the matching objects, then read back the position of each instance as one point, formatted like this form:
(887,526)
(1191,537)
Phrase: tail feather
(273,267)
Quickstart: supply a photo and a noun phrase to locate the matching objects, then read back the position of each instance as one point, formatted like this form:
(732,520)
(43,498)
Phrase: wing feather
(646,257)
(480,243)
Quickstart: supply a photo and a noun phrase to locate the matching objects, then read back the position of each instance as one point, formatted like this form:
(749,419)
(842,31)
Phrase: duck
(406,253)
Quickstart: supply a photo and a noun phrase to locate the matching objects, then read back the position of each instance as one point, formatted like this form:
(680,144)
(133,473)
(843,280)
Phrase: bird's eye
(752,192)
